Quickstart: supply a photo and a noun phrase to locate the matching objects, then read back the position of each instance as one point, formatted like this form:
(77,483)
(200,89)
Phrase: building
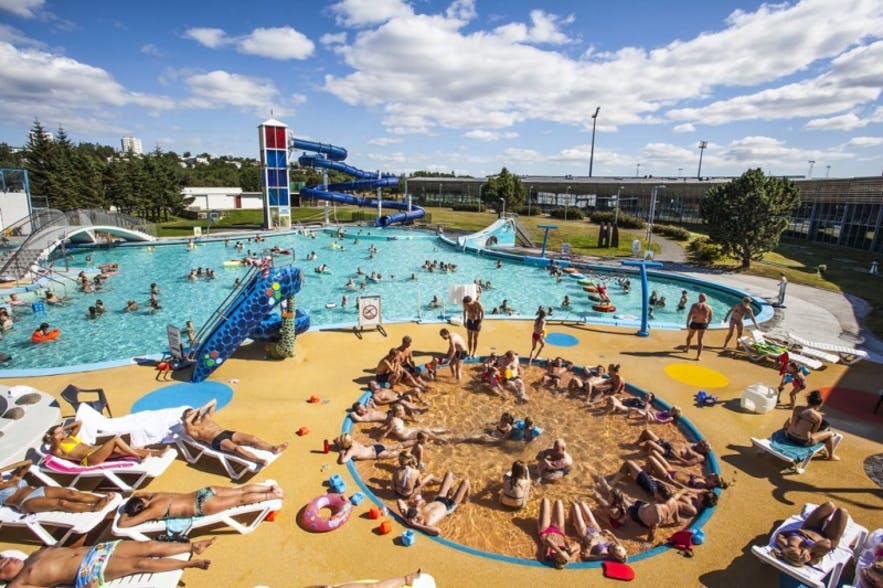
(205,199)
(15,198)
(131,145)
(841,211)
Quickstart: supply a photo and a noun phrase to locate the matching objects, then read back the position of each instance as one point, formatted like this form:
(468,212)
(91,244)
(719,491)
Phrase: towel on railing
(144,428)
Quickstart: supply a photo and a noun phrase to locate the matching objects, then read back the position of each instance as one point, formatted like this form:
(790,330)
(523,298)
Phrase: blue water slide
(241,314)
(331,157)
(268,329)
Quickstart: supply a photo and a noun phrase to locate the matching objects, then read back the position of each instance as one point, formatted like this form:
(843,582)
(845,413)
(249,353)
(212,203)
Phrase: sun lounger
(849,355)
(235,466)
(759,351)
(831,566)
(799,455)
(50,469)
(761,337)
(45,525)
(243,519)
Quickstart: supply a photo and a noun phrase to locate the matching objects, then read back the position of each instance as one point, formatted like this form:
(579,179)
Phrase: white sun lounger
(45,525)
(849,355)
(155,580)
(235,466)
(243,519)
(759,351)
(760,336)
(50,469)
(802,455)
(831,566)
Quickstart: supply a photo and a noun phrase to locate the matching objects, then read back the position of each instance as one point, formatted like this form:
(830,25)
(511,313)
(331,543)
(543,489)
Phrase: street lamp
(680,172)
(652,212)
(529,194)
(812,162)
(502,207)
(566,203)
(702,146)
(638,170)
(592,152)
(480,201)
(616,212)
(827,170)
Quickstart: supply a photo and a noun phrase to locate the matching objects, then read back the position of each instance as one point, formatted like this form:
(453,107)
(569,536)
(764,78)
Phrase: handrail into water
(219,315)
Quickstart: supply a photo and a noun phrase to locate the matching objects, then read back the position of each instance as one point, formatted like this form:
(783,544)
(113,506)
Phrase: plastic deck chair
(73,395)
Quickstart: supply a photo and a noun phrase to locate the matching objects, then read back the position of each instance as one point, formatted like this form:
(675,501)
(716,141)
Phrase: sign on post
(369,311)
(176,350)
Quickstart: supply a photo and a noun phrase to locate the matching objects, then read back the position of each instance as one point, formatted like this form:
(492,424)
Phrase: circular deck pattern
(185,394)
(696,375)
(561,340)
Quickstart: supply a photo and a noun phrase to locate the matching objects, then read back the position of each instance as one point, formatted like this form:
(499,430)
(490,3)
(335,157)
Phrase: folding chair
(72,395)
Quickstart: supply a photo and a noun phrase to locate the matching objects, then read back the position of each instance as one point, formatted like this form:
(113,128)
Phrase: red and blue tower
(273,137)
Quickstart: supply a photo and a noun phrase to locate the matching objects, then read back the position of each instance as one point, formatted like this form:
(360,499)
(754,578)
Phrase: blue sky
(467,86)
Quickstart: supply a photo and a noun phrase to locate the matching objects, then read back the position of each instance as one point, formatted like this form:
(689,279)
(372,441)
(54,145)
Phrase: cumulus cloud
(383,141)
(333,39)
(219,88)
(276,43)
(359,13)
(684,128)
(150,49)
(482,135)
(843,122)
(865,142)
(543,28)
(208,37)
(23,8)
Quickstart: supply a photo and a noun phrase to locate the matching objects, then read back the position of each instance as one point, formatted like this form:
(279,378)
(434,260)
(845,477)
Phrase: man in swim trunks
(456,351)
(680,454)
(350,449)
(425,516)
(698,320)
(473,314)
(363,414)
(736,315)
(554,463)
(653,487)
(199,424)
(649,515)
(94,566)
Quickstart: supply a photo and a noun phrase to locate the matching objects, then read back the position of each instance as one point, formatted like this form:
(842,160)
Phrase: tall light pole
(616,212)
(566,203)
(702,146)
(480,202)
(637,170)
(529,194)
(652,212)
(812,163)
(827,170)
(680,172)
(592,151)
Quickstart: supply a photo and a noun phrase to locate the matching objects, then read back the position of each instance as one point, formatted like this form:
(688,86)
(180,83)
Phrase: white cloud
(382,141)
(482,135)
(12,35)
(219,88)
(543,29)
(333,39)
(843,122)
(151,49)
(684,128)
(359,13)
(865,142)
(462,10)
(276,43)
(23,8)
(209,37)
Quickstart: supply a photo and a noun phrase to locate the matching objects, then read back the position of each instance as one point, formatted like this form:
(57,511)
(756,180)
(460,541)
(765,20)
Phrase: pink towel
(64,466)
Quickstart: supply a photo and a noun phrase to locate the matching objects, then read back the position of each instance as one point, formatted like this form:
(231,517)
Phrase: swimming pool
(406,290)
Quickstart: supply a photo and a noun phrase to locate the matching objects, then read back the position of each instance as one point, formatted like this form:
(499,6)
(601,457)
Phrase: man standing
(698,320)
(473,314)
(456,351)
(783,283)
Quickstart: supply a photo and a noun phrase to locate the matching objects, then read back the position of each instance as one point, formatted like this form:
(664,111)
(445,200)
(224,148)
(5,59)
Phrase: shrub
(467,207)
(568,212)
(532,211)
(702,250)
(624,221)
(673,232)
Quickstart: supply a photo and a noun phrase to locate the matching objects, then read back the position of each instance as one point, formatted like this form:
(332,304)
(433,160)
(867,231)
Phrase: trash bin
(759,398)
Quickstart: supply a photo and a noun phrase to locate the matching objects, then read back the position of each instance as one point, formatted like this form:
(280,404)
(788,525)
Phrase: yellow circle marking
(696,375)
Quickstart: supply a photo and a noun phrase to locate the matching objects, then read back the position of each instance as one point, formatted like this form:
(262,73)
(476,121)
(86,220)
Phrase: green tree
(506,186)
(38,153)
(747,215)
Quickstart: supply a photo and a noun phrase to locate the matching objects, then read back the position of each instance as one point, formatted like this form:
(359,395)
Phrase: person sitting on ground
(199,424)
(610,386)
(153,506)
(16,493)
(350,449)
(682,454)
(682,478)
(363,414)
(64,443)
(554,463)
(817,536)
(553,543)
(793,374)
(390,371)
(556,369)
(395,427)
(516,486)
(407,479)
(595,543)
(807,425)
(583,383)
(101,563)
(649,515)
(425,516)
(511,368)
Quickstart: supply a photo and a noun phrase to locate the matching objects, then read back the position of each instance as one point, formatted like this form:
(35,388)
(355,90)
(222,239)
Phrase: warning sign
(369,310)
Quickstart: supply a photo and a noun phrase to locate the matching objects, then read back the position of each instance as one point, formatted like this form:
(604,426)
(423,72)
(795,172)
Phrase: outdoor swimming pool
(406,290)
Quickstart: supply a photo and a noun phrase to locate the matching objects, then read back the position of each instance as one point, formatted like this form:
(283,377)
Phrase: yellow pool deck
(270,399)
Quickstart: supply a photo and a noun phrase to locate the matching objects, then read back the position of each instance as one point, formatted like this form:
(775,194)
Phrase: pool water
(406,290)
(598,444)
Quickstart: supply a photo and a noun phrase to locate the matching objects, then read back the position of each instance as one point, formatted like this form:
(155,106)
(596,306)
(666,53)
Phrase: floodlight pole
(592,151)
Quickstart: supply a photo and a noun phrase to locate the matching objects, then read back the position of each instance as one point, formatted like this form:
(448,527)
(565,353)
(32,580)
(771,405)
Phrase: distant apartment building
(131,145)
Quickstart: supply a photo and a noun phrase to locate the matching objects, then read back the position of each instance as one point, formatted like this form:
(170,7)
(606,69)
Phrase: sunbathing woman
(682,478)
(681,454)
(64,443)
(818,535)
(500,433)
(152,506)
(407,480)
(554,546)
(395,427)
(16,493)
(595,543)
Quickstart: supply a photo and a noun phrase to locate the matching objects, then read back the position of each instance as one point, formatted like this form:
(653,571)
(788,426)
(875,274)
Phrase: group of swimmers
(195,274)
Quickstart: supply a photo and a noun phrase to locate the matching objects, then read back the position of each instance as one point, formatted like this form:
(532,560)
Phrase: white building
(222,199)
(131,145)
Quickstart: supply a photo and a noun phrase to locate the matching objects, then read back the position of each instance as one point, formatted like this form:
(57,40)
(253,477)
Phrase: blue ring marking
(185,394)
(561,340)
(702,518)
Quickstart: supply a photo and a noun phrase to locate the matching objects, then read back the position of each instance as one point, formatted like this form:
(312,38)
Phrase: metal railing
(220,314)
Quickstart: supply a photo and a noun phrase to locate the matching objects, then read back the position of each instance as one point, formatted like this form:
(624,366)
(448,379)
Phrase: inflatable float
(39,337)
(232,263)
(590,288)
(339,505)
(604,307)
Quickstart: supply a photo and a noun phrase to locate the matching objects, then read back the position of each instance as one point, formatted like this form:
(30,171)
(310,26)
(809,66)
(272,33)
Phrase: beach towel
(144,428)
(779,442)
(618,571)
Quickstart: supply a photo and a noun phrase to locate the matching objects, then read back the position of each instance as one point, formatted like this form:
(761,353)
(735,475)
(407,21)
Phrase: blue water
(118,334)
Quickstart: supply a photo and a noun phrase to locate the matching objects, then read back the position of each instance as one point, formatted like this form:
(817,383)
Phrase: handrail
(218,315)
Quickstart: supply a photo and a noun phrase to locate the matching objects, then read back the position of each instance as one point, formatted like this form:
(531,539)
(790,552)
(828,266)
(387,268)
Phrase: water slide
(243,314)
(331,157)
(500,233)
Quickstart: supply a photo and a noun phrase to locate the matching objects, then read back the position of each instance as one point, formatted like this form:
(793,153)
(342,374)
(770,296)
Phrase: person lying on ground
(595,543)
(657,463)
(199,424)
(399,582)
(649,515)
(104,562)
(495,435)
(363,414)
(678,453)
(395,427)
(425,516)
(554,547)
(350,449)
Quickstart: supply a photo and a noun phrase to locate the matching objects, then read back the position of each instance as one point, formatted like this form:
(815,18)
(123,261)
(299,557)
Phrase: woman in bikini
(818,535)
(395,427)
(16,493)
(682,478)
(611,386)
(64,443)
(407,480)
(595,543)
(516,486)
(553,544)
(150,506)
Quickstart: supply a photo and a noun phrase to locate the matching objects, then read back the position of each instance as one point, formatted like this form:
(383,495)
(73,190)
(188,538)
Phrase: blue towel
(796,452)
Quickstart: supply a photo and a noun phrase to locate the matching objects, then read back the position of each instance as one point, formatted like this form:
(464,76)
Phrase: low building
(199,198)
